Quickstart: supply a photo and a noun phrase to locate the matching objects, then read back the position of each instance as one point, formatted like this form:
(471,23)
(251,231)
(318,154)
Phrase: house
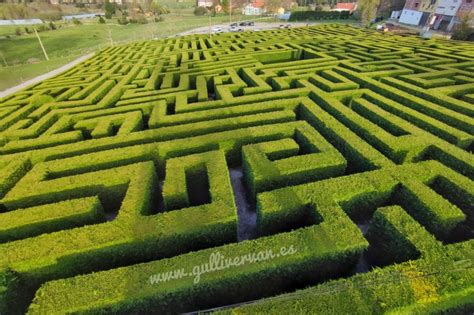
(446,10)
(204,3)
(82,16)
(249,9)
(348,6)
(256,7)
(417,12)
(435,14)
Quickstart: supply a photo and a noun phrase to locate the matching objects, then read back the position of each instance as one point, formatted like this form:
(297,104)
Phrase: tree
(199,11)
(133,9)
(273,5)
(463,30)
(226,6)
(157,9)
(109,9)
(368,11)
(76,21)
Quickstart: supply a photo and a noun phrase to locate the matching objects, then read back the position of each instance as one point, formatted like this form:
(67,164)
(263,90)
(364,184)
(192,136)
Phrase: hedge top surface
(327,158)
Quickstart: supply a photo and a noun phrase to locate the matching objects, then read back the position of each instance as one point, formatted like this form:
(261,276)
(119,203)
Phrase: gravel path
(44,76)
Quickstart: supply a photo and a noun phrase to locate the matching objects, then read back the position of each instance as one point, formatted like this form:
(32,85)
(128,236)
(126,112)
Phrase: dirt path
(44,76)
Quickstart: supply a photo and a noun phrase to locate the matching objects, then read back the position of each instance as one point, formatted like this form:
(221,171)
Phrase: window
(416,5)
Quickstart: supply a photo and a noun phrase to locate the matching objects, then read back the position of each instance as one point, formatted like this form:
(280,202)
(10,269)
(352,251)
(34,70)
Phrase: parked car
(236,29)
(377,19)
(216,30)
(243,24)
(234,25)
(251,23)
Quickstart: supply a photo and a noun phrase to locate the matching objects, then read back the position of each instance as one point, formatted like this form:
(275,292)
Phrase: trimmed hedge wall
(319,15)
(349,148)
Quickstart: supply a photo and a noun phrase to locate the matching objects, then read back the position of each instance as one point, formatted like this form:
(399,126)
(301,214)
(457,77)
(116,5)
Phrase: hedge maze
(345,151)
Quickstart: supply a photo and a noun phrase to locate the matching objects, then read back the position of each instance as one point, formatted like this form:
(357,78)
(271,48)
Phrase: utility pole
(41,44)
(110,37)
(230,11)
(210,27)
(4,60)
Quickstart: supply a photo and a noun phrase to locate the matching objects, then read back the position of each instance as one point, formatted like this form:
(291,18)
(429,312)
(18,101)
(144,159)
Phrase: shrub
(158,9)
(122,20)
(101,20)
(76,21)
(199,11)
(42,28)
(463,30)
(109,9)
(140,19)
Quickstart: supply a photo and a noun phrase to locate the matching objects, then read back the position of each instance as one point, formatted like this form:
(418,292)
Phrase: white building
(435,14)
(204,3)
(21,22)
(249,9)
(411,17)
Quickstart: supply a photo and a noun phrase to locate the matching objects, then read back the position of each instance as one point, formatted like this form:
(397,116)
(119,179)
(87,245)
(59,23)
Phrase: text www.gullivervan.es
(217,261)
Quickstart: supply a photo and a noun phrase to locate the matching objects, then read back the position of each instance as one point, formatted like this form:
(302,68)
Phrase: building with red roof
(347,6)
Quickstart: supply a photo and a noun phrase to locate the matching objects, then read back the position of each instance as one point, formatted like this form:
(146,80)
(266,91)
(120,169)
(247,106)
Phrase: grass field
(14,75)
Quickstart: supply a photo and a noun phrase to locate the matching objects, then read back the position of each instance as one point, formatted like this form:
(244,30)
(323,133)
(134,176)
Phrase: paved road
(44,76)
(259,26)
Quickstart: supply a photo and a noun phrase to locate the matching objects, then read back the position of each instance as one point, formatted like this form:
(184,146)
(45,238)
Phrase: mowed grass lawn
(71,41)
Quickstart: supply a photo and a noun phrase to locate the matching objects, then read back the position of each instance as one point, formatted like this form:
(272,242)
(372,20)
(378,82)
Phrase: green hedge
(335,127)
(314,158)
(23,223)
(434,283)
(129,289)
(319,15)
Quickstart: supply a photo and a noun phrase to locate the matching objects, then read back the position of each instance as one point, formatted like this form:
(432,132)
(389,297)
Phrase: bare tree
(368,10)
